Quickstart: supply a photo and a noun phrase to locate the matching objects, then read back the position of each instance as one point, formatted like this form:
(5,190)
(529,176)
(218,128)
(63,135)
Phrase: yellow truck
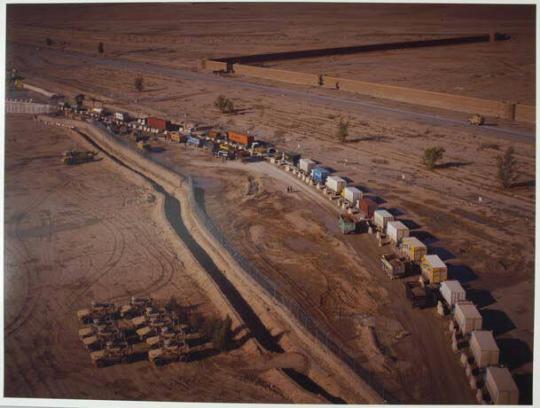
(434,269)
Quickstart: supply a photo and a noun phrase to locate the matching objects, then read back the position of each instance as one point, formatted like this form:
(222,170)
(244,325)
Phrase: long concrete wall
(277,74)
(459,103)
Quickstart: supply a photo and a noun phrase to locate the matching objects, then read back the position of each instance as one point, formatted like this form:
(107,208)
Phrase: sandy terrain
(120,251)
(489,245)
(180,35)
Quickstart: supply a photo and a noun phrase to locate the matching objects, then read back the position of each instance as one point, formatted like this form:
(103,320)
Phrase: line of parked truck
(479,353)
(408,256)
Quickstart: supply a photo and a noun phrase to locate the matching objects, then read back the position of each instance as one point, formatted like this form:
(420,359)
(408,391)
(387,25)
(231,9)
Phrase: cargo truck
(347,224)
(291,158)
(194,141)
(367,207)
(240,138)
(306,165)
(393,266)
(320,174)
(419,296)
(157,123)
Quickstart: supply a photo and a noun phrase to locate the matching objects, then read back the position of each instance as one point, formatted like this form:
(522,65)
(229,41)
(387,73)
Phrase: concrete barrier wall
(213,65)
(277,75)
(459,103)
(525,113)
(420,97)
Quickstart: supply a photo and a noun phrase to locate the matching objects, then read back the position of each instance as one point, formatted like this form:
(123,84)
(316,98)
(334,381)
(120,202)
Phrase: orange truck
(240,138)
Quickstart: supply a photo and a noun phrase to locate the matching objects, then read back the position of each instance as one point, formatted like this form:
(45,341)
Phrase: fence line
(273,289)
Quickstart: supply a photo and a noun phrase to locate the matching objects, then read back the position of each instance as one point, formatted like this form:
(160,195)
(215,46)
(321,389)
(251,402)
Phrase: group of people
(290,189)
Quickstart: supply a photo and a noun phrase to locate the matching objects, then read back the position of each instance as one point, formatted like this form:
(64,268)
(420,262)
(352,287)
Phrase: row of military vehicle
(135,331)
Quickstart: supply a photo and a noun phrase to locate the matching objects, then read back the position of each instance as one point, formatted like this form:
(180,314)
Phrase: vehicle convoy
(476,120)
(72,157)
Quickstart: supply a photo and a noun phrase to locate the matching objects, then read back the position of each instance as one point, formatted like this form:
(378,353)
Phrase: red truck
(240,138)
(368,207)
(157,123)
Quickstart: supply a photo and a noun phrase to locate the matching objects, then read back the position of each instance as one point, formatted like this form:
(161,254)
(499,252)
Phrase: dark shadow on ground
(441,252)
(424,236)
(496,320)
(526,184)
(412,225)
(514,352)
(480,297)
(375,138)
(524,383)
(462,273)
(453,164)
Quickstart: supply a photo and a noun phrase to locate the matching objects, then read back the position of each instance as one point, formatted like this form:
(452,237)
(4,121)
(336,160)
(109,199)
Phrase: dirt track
(47,280)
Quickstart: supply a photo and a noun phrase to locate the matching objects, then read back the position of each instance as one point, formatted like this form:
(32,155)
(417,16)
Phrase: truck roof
(434,261)
(485,340)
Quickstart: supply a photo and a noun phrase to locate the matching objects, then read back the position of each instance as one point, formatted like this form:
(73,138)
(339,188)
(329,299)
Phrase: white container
(501,386)
(352,194)
(120,116)
(484,348)
(335,183)
(452,292)
(381,218)
(467,317)
(306,165)
(396,230)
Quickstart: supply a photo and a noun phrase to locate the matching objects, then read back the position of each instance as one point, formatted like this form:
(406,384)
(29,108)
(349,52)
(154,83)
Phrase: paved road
(342,102)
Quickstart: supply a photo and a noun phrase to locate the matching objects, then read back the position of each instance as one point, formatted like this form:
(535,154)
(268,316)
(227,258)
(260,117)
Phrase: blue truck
(195,141)
(320,174)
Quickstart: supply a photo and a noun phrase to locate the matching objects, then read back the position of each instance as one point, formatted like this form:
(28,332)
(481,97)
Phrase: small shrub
(321,79)
(342,130)
(506,166)
(432,155)
(224,104)
(49,42)
(139,84)
(100,48)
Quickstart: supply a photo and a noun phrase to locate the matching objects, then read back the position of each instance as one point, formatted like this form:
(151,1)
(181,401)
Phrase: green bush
(432,155)
(506,166)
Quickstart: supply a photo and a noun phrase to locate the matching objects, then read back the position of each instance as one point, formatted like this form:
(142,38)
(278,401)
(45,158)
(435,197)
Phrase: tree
(48,41)
(100,48)
(342,130)
(432,155)
(506,165)
(225,105)
(139,84)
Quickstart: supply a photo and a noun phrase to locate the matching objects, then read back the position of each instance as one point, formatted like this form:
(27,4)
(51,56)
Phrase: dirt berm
(325,367)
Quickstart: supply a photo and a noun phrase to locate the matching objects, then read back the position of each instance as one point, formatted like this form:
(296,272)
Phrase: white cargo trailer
(381,218)
(452,292)
(484,348)
(335,183)
(467,317)
(501,386)
(396,230)
(306,165)
(352,194)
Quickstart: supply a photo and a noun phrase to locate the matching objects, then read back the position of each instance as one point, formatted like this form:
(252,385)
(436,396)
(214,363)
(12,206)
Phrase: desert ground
(488,244)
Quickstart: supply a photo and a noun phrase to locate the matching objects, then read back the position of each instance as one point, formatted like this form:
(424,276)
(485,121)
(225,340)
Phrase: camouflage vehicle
(476,120)
(171,351)
(119,353)
(99,311)
(72,157)
(145,332)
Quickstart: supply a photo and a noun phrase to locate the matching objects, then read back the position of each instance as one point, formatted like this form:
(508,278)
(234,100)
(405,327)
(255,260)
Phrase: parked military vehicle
(120,353)
(97,311)
(172,351)
(393,265)
(73,157)
(476,120)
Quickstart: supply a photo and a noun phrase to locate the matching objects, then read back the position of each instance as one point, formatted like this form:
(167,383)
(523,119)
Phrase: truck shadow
(514,353)
(480,297)
(497,321)
(462,273)
(524,383)
(426,237)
